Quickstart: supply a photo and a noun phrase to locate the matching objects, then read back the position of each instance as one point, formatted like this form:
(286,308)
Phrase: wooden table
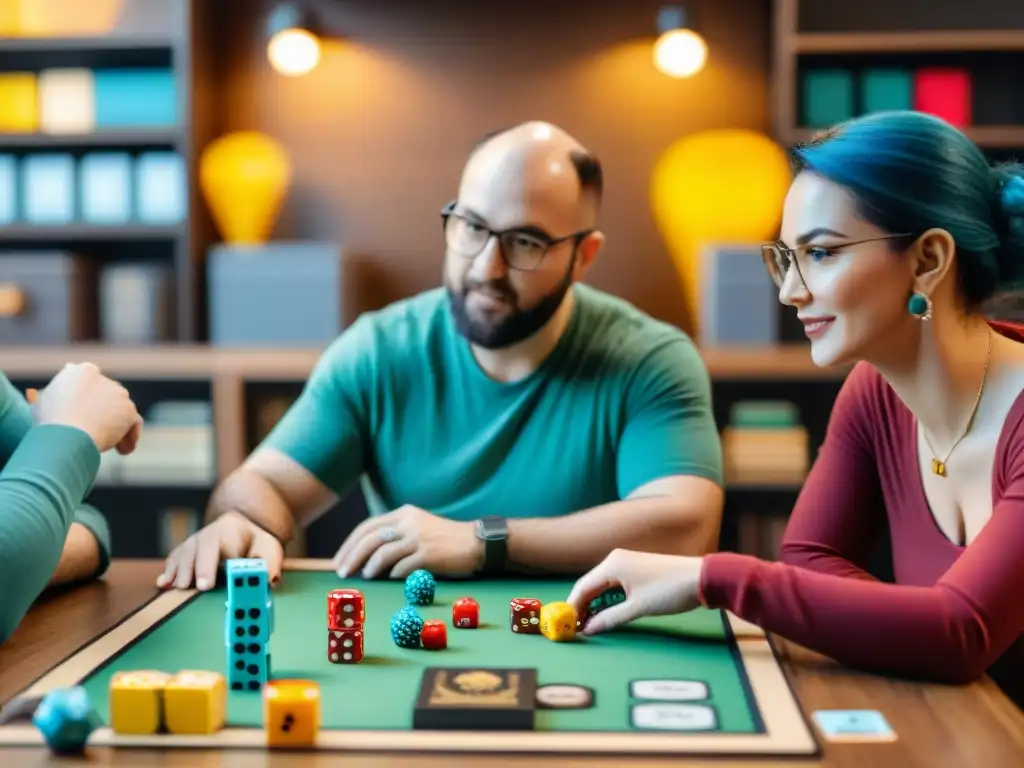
(935,725)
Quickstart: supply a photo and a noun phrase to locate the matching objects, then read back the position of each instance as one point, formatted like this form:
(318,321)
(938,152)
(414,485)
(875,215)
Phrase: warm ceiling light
(294,48)
(679,52)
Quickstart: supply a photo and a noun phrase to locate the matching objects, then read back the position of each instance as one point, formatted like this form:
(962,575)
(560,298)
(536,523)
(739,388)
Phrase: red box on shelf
(944,92)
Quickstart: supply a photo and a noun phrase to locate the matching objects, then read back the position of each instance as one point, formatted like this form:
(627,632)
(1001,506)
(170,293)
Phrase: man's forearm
(79,559)
(577,542)
(248,493)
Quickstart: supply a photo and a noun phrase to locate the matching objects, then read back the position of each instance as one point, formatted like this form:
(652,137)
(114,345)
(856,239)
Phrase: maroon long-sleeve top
(954,611)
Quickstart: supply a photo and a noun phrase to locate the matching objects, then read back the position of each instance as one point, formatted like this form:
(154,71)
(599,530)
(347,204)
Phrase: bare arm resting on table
(949,632)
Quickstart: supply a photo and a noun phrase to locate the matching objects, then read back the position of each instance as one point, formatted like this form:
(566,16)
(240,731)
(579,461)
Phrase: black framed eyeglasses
(778,258)
(521,248)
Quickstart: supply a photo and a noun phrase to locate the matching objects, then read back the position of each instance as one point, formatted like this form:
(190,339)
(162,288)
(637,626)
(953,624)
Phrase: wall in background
(380,130)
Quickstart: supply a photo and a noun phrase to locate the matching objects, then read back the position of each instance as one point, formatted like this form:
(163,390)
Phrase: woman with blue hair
(895,232)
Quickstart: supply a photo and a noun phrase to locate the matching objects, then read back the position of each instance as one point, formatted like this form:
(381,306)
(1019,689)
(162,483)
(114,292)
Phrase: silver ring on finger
(388,534)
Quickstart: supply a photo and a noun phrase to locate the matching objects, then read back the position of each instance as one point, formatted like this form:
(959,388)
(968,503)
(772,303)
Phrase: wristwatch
(493,531)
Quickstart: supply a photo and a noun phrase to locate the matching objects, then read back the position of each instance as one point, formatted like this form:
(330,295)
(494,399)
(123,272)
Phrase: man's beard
(519,325)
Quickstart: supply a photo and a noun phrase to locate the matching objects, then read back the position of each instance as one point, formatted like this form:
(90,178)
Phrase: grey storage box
(739,300)
(46,298)
(274,295)
(136,303)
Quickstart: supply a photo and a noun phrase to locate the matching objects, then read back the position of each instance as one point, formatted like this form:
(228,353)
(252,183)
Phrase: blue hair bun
(1012,195)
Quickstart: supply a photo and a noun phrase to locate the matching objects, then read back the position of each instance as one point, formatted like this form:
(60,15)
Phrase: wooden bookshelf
(906,42)
(175,34)
(128,139)
(792,46)
(155,41)
(196,361)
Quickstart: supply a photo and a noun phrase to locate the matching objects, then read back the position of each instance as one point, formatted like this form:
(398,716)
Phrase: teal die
(406,626)
(66,718)
(249,608)
(420,587)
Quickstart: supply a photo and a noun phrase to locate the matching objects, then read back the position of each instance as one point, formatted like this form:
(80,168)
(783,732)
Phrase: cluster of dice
(556,621)
(142,702)
(410,630)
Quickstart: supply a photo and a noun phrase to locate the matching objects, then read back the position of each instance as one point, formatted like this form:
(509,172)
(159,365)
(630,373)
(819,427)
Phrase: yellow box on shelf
(19,102)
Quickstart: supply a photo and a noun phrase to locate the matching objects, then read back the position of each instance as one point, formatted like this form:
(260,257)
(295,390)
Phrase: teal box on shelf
(828,97)
(280,294)
(886,89)
(8,189)
(48,188)
(105,187)
(160,188)
(136,98)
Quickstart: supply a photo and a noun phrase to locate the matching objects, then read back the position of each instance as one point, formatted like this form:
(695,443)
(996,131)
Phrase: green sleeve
(41,484)
(670,425)
(327,429)
(15,423)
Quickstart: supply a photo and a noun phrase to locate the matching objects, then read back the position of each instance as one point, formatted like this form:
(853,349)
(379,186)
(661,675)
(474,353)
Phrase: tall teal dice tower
(248,624)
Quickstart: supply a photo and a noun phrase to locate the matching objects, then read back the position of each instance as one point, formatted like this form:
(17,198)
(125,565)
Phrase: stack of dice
(408,628)
(248,623)
(346,614)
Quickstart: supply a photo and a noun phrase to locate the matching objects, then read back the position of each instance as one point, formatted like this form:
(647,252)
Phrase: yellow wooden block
(291,713)
(195,702)
(137,701)
(19,102)
(558,621)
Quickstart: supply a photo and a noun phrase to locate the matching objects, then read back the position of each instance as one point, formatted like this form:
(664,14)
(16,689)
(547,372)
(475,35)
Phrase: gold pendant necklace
(939,465)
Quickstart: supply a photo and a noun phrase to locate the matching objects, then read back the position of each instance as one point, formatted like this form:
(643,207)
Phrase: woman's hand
(654,584)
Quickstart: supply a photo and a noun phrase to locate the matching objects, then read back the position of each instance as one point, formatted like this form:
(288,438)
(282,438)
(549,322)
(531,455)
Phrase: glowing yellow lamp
(244,177)
(679,52)
(718,186)
(293,48)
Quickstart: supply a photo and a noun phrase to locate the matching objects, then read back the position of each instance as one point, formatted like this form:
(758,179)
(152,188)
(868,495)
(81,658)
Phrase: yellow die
(196,702)
(137,701)
(558,621)
(291,713)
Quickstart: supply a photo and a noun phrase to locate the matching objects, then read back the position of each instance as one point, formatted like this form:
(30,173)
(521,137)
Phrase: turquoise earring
(920,306)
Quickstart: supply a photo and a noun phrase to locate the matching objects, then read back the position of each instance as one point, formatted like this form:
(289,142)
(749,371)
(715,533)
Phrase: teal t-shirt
(399,402)
(45,472)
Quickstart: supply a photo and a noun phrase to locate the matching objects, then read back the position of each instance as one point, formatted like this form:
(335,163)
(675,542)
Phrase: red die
(524,615)
(434,634)
(465,613)
(345,646)
(346,609)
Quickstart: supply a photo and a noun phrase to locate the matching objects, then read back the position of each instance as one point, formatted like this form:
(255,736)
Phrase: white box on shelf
(105,187)
(67,101)
(48,186)
(160,195)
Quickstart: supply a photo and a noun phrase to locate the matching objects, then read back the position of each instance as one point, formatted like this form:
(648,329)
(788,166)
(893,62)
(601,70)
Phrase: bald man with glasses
(511,419)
